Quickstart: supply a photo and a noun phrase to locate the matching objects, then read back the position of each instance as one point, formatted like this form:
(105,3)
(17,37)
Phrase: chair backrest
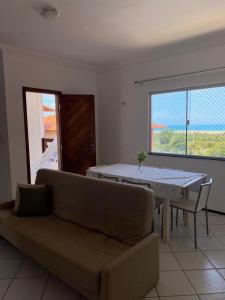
(203,196)
(106,177)
(145,184)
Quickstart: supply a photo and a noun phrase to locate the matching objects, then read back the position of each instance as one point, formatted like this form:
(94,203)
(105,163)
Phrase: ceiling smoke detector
(50,13)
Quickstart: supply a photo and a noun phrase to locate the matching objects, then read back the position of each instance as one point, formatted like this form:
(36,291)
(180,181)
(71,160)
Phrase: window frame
(197,87)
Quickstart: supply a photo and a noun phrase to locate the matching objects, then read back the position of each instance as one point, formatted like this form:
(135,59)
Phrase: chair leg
(171,221)
(176,216)
(162,226)
(207,223)
(195,231)
(159,210)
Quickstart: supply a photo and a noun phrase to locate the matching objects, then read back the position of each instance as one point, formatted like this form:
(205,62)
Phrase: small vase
(139,167)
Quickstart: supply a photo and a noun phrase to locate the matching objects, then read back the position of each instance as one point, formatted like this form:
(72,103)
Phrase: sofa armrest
(134,273)
(7,204)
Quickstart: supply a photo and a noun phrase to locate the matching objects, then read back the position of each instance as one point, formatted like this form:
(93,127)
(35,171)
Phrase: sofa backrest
(118,210)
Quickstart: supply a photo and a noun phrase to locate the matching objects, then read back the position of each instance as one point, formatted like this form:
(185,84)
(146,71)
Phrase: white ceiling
(107,31)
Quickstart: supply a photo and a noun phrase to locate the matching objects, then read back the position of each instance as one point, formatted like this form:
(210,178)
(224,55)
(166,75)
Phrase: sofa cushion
(79,254)
(118,210)
(32,200)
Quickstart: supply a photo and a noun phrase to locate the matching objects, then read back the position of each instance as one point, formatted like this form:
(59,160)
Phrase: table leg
(166,221)
(185,216)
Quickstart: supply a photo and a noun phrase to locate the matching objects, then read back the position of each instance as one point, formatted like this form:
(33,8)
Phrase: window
(189,122)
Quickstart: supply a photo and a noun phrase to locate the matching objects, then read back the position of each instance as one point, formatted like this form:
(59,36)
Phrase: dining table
(168,184)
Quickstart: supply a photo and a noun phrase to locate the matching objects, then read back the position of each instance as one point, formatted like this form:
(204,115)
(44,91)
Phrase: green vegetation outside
(201,143)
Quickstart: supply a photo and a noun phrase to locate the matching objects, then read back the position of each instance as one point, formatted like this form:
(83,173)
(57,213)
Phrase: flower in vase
(141,156)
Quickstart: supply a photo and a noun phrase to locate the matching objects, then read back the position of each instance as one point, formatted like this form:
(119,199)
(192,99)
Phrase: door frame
(39,91)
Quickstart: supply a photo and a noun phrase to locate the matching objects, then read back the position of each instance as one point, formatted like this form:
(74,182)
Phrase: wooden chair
(194,207)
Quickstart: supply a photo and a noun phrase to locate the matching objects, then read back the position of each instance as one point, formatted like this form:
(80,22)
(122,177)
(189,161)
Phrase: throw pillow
(32,200)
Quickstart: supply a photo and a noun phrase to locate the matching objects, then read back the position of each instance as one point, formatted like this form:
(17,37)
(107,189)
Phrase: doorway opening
(59,131)
(42,131)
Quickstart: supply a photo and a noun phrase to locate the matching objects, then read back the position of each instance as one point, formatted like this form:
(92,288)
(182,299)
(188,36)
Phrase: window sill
(187,156)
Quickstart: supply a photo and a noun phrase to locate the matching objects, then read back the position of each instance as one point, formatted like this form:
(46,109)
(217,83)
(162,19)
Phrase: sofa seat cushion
(78,253)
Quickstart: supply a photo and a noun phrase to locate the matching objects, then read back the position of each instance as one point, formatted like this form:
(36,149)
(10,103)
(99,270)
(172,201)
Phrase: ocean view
(203,109)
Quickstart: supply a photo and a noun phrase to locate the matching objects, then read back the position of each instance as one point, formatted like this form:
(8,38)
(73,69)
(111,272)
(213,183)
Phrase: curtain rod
(178,75)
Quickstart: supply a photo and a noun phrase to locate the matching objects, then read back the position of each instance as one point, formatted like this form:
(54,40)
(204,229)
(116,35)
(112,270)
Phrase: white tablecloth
(166,183)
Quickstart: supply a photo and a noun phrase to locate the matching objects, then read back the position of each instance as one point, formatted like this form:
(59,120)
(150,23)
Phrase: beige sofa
(98,238)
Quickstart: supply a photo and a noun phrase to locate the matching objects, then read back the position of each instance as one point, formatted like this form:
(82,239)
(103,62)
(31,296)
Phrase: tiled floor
(189,274)
(185,273)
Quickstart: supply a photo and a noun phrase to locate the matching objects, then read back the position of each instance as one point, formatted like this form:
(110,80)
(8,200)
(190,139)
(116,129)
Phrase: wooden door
(77,128)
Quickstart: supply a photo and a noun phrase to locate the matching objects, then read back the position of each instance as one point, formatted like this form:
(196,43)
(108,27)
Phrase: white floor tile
(174,283)
(58,290)
(9,267)
(210,243)
(30,269)
(218,229)
(181,244)
(221,218)
(212,220)
(213,297)
(178,232)
(217,258)
(164,248)
(206,281)
(168,262)
(4,284)
(152,293)
(222,272)
(193,260)
(190,219)
(201,230)
(26,289)
(221,238)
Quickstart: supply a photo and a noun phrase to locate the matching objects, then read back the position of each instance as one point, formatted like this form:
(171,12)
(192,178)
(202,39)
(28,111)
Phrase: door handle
(92,146)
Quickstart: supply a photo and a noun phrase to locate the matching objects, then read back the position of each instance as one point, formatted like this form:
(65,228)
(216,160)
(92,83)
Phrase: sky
(49,100)
(205,106)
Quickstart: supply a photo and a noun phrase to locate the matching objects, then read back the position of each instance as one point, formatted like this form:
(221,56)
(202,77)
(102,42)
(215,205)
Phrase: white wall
(5,182)
(123,129)
(25,69)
